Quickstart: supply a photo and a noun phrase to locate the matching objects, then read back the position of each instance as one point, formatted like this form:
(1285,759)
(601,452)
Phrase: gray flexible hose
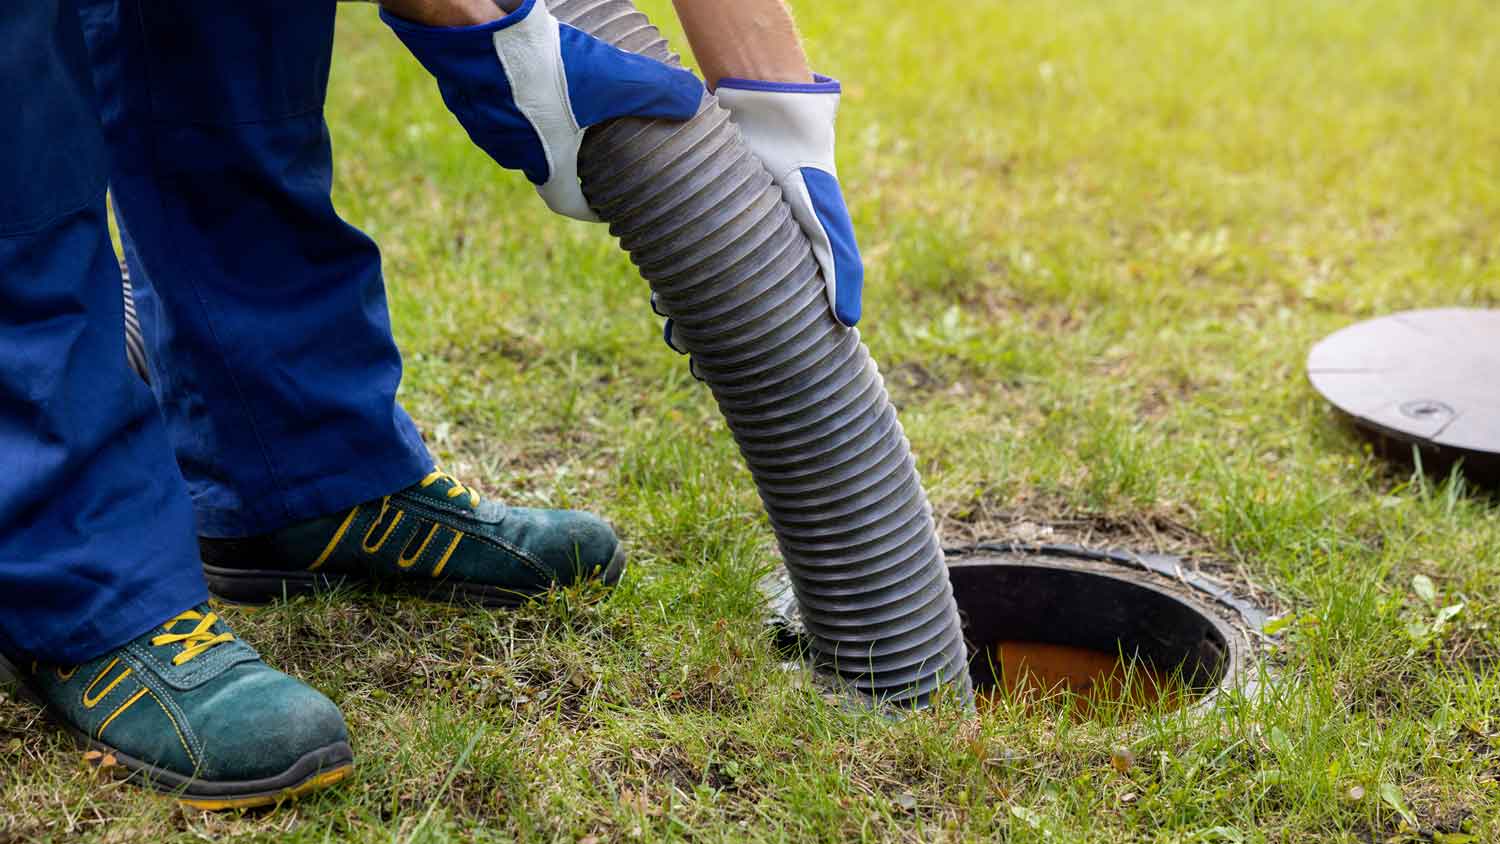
(706,226)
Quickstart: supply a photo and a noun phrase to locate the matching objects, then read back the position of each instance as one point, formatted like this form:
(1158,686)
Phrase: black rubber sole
(263,586)
(316,770)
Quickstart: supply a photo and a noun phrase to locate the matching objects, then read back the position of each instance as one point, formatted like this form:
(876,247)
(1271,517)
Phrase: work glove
(790,127)
(525,87)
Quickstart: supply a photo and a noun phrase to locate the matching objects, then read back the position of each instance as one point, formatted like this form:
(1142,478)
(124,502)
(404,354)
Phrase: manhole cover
(1429,379)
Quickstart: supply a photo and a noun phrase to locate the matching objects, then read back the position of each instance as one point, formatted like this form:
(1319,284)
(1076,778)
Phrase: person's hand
(790,127)
(526,87)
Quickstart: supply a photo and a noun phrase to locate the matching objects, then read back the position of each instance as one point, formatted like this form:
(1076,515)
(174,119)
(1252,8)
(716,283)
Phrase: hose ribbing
(705,224)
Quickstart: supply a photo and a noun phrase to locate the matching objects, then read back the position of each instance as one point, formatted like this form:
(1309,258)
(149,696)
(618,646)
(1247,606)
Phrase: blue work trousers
(264,313)
(96,529)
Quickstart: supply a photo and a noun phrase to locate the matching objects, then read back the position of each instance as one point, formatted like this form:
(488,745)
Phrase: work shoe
(437,538)
(189,709)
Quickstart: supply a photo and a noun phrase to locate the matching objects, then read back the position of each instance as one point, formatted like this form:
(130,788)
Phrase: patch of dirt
(1451,818)
(1160,396)
(1471,646)
(18,830)
(981,521)
(650,777)
(1434,826)
(24,735)
(913,380)
(913,377)
(522,350)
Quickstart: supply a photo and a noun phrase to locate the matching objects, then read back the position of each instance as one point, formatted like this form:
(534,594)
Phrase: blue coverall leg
(96,529)
(264,313)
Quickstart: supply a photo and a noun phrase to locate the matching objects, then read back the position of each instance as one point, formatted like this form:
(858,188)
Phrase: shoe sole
(263,586)
(315,771)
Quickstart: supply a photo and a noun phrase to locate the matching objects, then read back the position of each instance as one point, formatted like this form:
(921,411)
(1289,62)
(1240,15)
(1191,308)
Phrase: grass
(1101,238)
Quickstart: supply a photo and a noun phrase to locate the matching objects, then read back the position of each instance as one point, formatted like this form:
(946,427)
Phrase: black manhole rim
(1116,606)
(1237,623)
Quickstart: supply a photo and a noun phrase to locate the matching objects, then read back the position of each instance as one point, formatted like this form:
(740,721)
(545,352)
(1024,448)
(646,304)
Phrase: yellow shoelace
(197,640)
(455,490)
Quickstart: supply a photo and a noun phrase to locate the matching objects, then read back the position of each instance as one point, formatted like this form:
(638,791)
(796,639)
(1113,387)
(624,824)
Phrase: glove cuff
(820,85)
(790,125)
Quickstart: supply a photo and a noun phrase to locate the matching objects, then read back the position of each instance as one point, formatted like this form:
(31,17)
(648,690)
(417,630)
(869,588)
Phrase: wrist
(449,13)
(481,22)
(819,84)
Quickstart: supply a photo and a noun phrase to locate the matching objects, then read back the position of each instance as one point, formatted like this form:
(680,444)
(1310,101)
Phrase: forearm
(449,12)
(751,39)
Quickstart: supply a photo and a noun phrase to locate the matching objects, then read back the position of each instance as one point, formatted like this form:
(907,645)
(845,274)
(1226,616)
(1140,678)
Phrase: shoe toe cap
(262,723)
(572,546)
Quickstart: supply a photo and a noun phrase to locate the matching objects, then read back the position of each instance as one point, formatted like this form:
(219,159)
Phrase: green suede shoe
(191,710)
(436,538)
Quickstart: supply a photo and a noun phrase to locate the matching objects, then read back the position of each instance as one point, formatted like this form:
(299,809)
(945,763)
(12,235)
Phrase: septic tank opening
(1052,629)
(1141,629)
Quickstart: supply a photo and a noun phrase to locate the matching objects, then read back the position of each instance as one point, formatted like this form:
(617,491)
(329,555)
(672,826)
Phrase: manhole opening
(1087,634)
(1088,609)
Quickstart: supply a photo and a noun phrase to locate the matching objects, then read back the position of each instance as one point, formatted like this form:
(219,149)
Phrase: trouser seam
(31,227)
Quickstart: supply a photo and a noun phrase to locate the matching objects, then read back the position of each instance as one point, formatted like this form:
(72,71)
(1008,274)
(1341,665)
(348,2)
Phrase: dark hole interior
(1084,609)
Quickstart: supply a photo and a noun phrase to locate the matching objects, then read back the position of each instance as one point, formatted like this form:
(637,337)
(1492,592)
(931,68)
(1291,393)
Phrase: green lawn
(1101,237)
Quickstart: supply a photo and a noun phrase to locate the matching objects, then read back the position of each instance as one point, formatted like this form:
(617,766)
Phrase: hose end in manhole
(1092,630)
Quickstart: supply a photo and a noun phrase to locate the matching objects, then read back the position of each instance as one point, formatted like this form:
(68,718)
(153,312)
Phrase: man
(272,363)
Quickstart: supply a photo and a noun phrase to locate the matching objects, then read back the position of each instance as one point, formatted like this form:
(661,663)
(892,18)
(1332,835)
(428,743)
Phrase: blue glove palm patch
(605,82)
(828,204)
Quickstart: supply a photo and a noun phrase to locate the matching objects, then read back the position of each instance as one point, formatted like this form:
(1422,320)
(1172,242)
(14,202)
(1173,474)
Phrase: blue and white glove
(525,87)
(790,127)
